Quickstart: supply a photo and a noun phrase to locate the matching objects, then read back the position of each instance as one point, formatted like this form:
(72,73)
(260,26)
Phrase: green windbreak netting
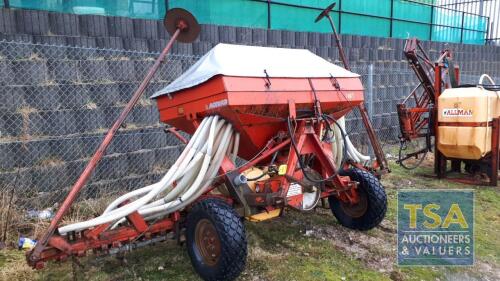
(291,18)
(447,17)
(148,9)
(226,12)
(381,8)
(474,22)
(473,37)
(471,24)
(446,34)
(319,4)
(411,11)
(411,20)
(360,17)
(402,29)
(365,25)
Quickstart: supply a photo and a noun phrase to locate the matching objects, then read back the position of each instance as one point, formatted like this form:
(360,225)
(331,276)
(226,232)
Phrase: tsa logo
(435,227)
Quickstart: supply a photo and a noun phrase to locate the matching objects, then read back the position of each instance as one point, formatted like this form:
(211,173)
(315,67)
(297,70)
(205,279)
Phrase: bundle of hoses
(338,143)
(186,180)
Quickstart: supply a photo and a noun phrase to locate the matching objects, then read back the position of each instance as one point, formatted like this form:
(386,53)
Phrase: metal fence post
(431,24)
(369,92)
(268,14)
(369,100)
(391,23)
(340,16)
(462,29)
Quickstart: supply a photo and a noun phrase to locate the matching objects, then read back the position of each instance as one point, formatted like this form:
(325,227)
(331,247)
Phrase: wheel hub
(359,209)
(208,242)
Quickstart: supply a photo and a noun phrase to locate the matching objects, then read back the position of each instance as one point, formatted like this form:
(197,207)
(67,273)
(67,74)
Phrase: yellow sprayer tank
(464,126)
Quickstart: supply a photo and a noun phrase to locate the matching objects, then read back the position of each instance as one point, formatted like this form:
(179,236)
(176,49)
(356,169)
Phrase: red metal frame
(308,143)
(35,256)
(102,239)
(97,239)
(414,123)
(380,166)
(260,122)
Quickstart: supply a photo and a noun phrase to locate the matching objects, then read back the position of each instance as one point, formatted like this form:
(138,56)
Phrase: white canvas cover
(252,61)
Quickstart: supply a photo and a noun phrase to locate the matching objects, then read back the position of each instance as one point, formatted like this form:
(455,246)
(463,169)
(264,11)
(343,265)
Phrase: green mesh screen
(226,12)
(411,19)
(148,9)
(474,22)
(365,25)
(473,37)
(447,17)
(446,34)
(380,8)
(402,29)
(291,18)
(320,4)
(359,17)
(412,11)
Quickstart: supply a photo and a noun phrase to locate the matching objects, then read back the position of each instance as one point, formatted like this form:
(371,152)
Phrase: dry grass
(50,162)
(87,209)
(91,105)
(9,216)
(300,246)
(35,57)
(15,223)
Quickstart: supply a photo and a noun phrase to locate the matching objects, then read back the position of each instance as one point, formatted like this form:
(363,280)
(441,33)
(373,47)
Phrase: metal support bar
(339,43)
(494,151)
(431,26)
(391,23)
(82,180)
(379,154)
(340,16)
(462,29)
(268,14)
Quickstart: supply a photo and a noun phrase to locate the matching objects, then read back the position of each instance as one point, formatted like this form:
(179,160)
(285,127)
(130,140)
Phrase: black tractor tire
(370,210)
(216,240)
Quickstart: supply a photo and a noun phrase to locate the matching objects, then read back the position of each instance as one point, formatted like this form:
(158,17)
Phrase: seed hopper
(266,135)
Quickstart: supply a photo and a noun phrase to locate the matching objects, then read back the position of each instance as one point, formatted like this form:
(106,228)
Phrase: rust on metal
(182,27)
(381,163)
(208,242)
(466,124)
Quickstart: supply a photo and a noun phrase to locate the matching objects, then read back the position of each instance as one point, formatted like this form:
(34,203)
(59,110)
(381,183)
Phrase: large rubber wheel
(372,205)
(216,240)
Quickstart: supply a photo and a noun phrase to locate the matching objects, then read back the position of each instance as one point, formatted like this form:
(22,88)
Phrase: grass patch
(298,246)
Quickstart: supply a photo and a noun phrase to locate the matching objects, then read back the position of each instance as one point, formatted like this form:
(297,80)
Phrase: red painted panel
(256,111)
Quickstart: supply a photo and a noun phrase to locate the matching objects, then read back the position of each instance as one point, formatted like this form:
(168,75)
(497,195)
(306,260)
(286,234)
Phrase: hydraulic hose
(340,143)
(192,174)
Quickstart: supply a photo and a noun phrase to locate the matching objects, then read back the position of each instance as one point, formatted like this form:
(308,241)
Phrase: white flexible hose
(486,140)
(193,171)
(164,206)
(146,189)
(339,141)
(338,146)
(216,164)
(194,192)
(236,146)
(188,193)
(486,76)
(191,175)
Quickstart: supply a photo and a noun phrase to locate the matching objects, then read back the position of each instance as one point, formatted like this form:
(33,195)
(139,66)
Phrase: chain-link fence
(57,102)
